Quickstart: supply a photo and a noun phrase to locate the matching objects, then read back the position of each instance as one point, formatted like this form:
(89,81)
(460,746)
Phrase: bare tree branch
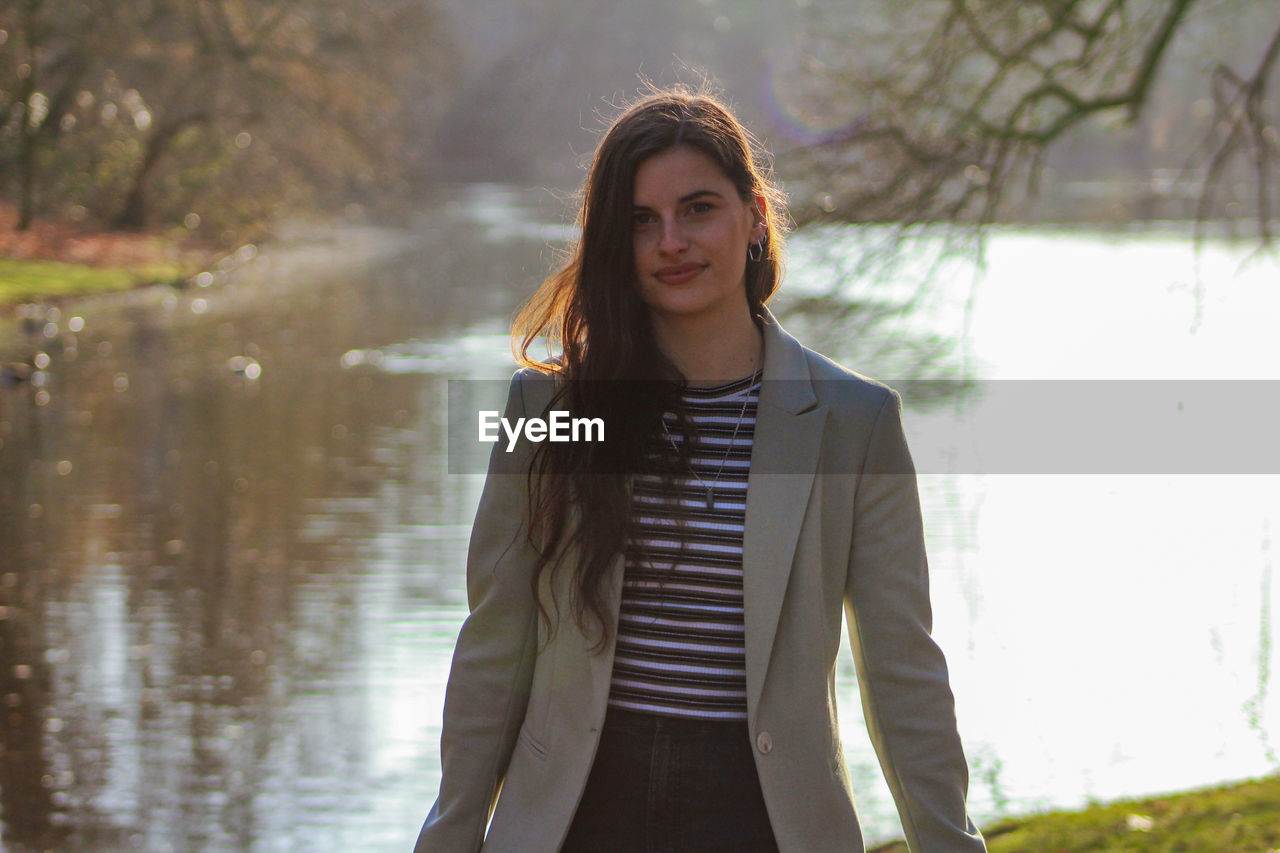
(949,123)
(1239,118)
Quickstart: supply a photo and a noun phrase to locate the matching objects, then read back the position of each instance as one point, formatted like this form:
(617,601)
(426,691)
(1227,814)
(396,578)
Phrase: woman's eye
(699,207)
(640,219)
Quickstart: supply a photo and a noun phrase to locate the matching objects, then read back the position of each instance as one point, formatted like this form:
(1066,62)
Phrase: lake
(231,550)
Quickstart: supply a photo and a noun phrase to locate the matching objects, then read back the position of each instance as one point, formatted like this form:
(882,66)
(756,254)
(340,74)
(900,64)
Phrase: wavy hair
(590,308)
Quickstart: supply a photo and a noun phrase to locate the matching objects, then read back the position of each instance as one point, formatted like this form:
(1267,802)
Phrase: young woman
(649,660)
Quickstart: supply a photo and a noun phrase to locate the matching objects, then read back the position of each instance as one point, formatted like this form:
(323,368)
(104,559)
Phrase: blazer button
(764,742)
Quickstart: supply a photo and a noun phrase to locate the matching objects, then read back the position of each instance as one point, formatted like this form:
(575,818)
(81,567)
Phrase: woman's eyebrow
(698,193)
(685,199)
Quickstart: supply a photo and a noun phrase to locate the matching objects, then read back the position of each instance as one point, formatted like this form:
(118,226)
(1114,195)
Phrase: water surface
(231,554)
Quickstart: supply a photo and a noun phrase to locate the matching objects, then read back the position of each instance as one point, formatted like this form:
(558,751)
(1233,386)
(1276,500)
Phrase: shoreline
(1242,816)
(297,251)
(57,261)
(53,260)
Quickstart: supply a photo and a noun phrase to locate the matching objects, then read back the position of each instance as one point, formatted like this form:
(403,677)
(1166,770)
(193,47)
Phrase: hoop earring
(755,251)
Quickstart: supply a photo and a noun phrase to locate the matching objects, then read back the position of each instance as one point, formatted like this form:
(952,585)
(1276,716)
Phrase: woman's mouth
(679,273)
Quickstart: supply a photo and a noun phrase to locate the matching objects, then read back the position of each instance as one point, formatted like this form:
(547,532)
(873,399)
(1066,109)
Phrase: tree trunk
(26,179)
(133,216)
(26,134)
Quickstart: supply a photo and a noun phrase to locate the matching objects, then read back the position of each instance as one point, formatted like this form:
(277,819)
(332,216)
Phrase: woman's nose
(673,238)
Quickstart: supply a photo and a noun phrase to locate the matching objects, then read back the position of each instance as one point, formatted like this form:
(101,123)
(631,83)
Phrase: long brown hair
(591,309)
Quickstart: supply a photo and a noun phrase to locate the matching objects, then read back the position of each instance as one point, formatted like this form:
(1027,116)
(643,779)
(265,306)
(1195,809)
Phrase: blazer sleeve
(906,696)
(489,681)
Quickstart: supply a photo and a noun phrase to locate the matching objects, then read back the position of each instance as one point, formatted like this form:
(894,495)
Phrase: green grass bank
(1243,817)
(23,280)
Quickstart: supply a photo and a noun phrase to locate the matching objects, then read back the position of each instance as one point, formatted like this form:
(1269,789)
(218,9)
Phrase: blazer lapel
(784,460)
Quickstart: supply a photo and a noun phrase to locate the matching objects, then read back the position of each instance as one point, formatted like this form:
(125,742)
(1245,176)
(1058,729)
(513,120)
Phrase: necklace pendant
(711,497)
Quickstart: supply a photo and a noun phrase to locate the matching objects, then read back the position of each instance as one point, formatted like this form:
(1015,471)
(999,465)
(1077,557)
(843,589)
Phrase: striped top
(680,630)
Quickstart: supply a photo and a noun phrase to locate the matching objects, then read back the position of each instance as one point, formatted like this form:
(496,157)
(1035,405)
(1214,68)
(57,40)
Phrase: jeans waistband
(625,720)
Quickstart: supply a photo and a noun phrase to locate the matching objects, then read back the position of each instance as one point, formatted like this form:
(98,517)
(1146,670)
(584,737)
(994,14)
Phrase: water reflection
(223,549)
(228,595)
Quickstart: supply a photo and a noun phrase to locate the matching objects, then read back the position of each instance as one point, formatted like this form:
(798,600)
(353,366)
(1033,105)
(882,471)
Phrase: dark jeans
(669,785)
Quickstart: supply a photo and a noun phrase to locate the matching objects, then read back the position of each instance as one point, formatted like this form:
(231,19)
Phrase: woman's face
(691,231)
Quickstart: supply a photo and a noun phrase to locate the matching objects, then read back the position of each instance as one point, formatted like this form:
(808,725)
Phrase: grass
(1241,817)
(22,280)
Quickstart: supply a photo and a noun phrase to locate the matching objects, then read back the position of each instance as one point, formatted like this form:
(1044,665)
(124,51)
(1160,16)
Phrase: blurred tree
(213,112)
(941,110)
(46,54)
(542,78)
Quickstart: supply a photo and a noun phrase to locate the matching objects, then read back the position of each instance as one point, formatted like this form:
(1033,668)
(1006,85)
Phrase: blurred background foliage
(212,114)
(220,115)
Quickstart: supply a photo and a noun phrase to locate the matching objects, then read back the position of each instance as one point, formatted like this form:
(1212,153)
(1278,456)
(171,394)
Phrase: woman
(649,659)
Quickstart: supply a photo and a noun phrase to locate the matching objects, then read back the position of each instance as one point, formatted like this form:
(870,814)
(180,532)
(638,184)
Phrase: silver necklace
(710,488)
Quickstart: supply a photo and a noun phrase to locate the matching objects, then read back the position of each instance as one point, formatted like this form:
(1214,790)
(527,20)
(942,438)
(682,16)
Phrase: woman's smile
(679,273)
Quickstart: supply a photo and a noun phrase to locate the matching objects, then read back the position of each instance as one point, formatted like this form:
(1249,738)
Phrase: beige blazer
(833,525)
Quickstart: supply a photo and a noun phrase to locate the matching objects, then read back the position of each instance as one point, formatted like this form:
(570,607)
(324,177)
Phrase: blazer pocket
(532,744)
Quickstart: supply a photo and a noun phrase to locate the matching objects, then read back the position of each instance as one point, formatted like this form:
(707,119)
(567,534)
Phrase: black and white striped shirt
(680,633)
